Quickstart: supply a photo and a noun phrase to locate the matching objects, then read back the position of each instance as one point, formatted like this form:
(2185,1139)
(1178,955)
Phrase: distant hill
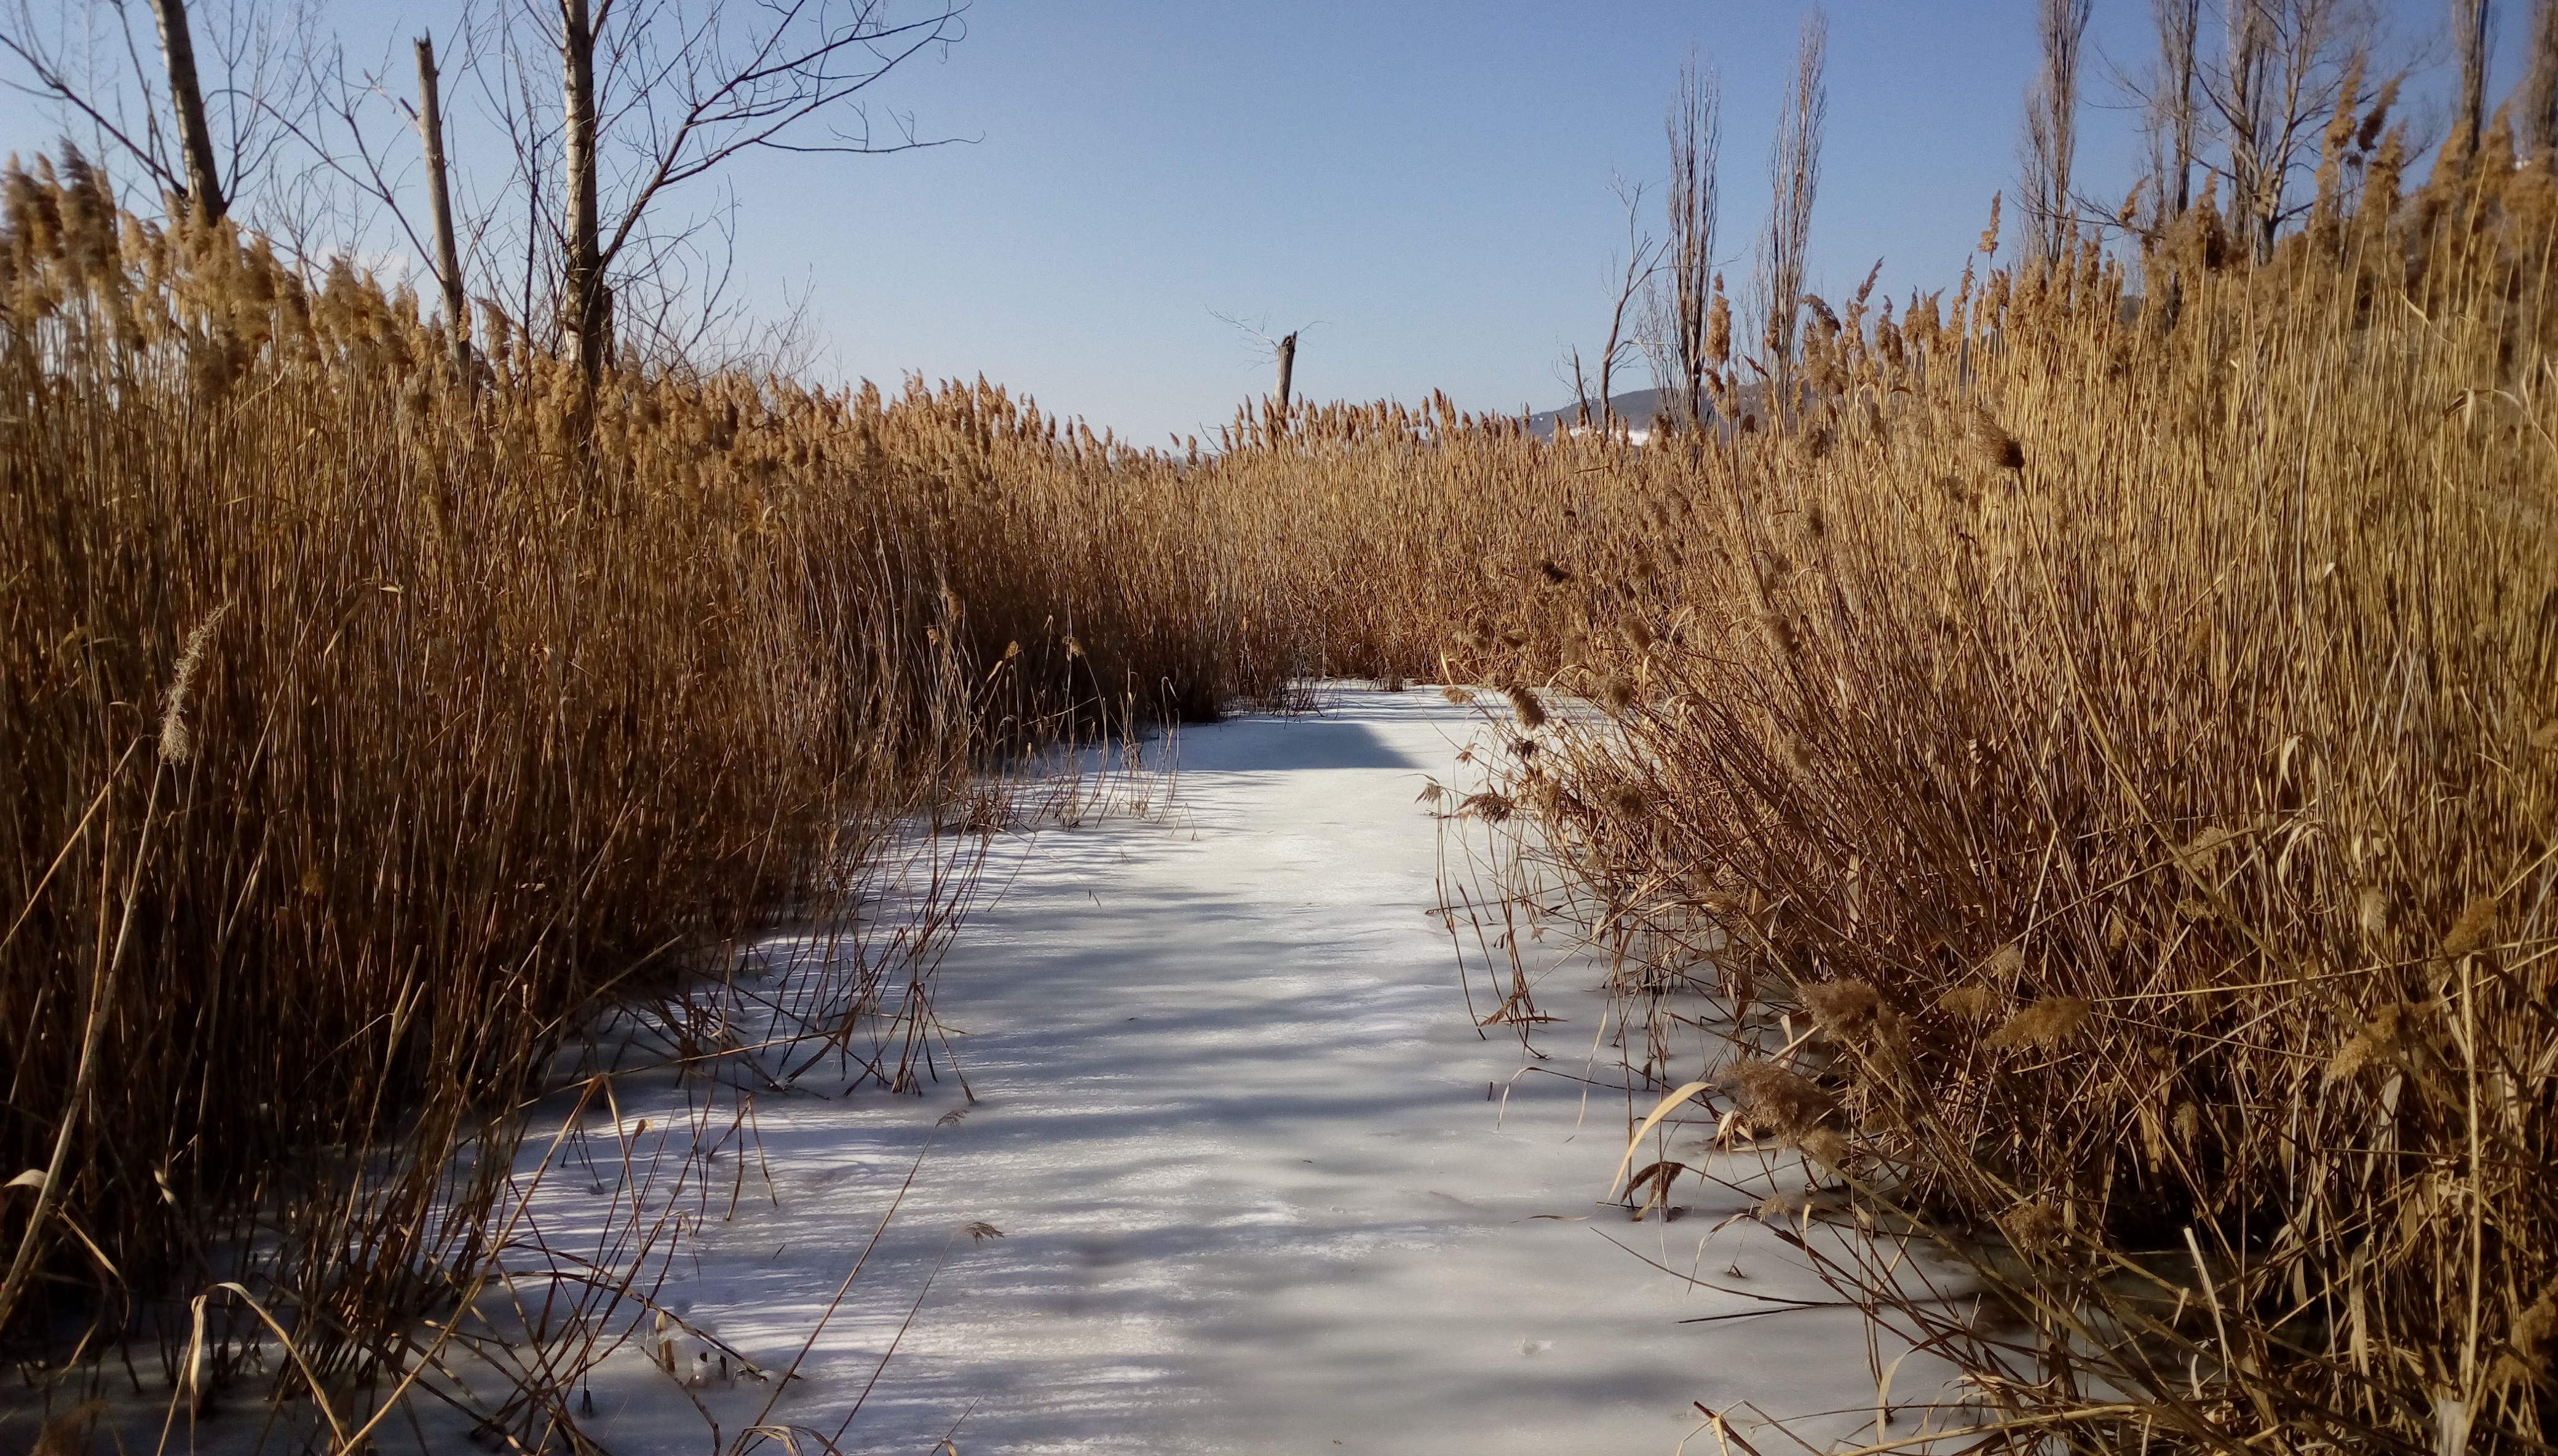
(1636,407)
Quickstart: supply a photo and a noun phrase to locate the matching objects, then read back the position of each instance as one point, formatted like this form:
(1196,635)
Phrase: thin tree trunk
(1287,368)
(1794,175)
(2537,125)
(2180,31)
(448,264)
(2255,178)
(2052,126)
(1695,138)
(587,316)
(186,98)
(2468,33)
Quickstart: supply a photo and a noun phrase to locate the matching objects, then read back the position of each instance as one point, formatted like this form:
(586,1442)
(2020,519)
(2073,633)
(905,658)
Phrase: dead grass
(364,738)
(2123,730)
(2122,733)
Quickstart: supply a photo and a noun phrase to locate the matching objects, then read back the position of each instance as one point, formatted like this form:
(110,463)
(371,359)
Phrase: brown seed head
(176,744)
(1847,1010)
(2471,930)
(2397,1036)
(2187,1119)
(2044,1024)
(1791,1104)
(1718,327)
(1531,713)
(1996,448)
(1973,1004)
(2371,910)
(1827,1146)
(2035,1227)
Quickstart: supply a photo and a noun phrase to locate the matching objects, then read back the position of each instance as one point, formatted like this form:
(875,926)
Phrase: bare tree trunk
(2536,100)
(186,98)
(585,302)
(2180,27)
(2469,36)
(2052,126)
(2256,177)
(1794,176)
(1638,273)
(1696,126)
(448,264)
(1287,368)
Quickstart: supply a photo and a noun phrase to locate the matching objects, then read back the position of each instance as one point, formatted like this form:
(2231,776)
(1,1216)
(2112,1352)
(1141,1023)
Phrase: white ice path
(1231,1117)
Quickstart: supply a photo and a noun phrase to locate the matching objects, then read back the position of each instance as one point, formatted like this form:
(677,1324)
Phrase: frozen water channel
(1236,1128)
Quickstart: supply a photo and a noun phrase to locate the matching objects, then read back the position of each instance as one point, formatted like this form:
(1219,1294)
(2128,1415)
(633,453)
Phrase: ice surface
(1255,1193)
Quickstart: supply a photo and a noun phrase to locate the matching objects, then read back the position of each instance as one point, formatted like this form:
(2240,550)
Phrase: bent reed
(2122,733)
(2126,725)
(364,736)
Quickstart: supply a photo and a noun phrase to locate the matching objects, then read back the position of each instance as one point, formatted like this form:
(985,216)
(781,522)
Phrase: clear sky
(1421,186)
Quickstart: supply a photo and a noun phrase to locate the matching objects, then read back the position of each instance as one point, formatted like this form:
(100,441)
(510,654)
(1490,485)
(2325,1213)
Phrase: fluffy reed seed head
(1524,703)
(2371,910)
(2470,932)
(1789,1101)
(177,743)
(1973,1004)
(2397,1036)
(2044,1025)
(1993,445)
(1849,1011)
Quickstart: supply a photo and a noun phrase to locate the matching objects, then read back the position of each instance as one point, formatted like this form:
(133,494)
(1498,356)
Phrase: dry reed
(2140,702)
(366,738)
(2125,726)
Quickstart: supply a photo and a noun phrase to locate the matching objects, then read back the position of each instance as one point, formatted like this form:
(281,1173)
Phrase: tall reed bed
(2124,730)
(362,735)
(2124,726)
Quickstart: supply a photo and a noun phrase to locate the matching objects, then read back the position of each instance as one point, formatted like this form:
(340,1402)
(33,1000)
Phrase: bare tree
(1642,260)
(2470,40)
(197,132)
(2052,128)
(1695,138)
(2282,76)
(2536,100)
(1277,349)
(186,98)
(586,319)
(1794,179)
(439,194)
(674,88)
(647,97)
(1580,383)
(2171,107)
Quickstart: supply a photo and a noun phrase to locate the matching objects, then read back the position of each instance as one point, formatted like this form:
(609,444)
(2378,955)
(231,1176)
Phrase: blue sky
(1422,186)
